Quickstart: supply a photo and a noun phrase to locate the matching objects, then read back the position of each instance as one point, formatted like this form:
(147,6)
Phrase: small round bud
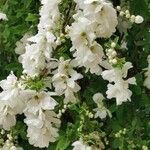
(79,129)
(69,105)
(114,54)
(65,106)
(114,61)
(63,40)
(58,41)
(113,44)
(13,148)
(128,16)
(121,13)
(139,19)
(118,8)
(2,132)
(62,35)
(110,57)
(132,18)
(110,61)
(116,135)
(63,110)
(127,12)
(91,115)
(110,50)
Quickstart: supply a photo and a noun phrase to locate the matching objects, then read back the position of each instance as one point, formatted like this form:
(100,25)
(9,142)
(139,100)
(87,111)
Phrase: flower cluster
(93,21)
(8,141)
(119,88)
(37,56)
(64,80)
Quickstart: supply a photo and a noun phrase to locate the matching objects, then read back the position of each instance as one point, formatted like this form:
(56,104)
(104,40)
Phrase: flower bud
(139,19)
(113,44)
(121,13)
(118,8)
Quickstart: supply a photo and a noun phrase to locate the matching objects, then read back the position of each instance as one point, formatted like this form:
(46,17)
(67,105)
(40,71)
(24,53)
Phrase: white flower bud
(118,8)
(128,16)
(13,148)
(121,13)
(91,115)
(65,106)
(139,19)
(113,44)
(114,54)
(110,58)
(2,132)
(110,50)
(58,41)
(127,12)
(132,18)
(110,61)
(114,61)
(63,110)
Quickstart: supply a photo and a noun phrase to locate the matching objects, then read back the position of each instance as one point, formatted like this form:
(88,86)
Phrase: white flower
(79,145)
(94,18)
(105,20)
(12,100)
(119,88)
(101,110)
(147,74)
(42,128)
(3,16)
(20,45)
(64,80)
(37,56)
(33,59)
(40,101)
(101,14)
(81,32)
(49,14)
(87,52)
(139,19)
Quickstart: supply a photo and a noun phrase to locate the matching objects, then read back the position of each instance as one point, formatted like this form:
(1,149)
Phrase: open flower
(101,110)
(119,88)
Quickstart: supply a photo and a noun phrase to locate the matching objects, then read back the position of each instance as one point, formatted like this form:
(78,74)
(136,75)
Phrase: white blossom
(40,101)
(94,18)
(41,119)
(3,16)
(119,86)
(64,80)
(87,52)
(147,74)
(37,56)
(21,44)
(101,14)
(101,110)
(79,145)
(12,100)
(42,128)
